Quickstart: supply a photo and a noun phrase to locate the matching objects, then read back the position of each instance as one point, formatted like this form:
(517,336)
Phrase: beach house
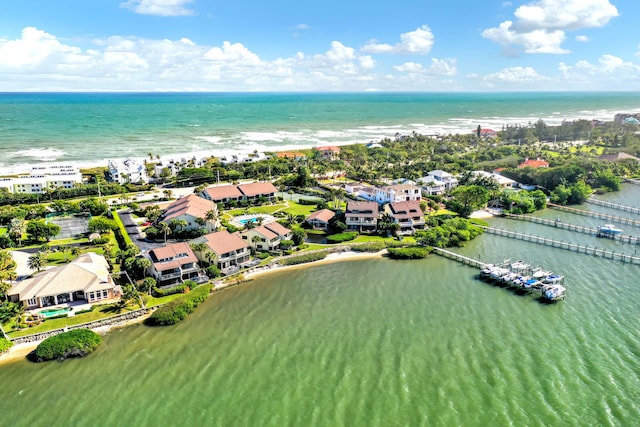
(408,215)
(437,182)
(193,210)
(231,252)
(127,171)
(362,216)
(319,220)
(266,237)
(42,179)
(86,278)
(173,264)
(328,152)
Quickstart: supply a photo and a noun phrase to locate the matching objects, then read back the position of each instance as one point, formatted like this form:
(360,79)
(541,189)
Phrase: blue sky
(285,45)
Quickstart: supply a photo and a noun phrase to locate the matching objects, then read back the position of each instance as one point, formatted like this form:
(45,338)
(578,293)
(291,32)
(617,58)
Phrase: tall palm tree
(164,228)
(211,217)
(198,248)
(211,257)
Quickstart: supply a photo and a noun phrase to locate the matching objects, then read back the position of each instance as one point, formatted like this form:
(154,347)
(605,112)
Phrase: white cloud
(419,41)
(514,75)
(159,7)
(607,66)
(34,48)
(582,38)
(302,27)
(540,26)
(439,67)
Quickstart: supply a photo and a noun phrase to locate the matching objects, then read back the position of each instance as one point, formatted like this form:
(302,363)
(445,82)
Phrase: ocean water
(370,343)
(89,128)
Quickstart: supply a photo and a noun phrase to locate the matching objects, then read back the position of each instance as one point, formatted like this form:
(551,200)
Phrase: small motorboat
(609,230)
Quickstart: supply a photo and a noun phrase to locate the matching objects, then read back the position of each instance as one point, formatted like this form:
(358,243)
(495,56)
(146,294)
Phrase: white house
(437,182)
(43,178)
(266,237)
(502,181)
(391,193)
(127,171)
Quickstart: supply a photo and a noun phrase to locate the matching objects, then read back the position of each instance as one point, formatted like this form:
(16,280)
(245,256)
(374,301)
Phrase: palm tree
(255,240)
(211,257)
(144,263)
(199,248)
(164,228)
(212,217)
(167,194)
(36,261)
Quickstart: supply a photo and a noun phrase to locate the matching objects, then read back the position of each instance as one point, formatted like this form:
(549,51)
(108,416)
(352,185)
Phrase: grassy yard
(100,312)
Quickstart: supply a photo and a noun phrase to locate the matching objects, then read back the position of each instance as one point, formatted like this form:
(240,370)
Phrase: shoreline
(20,351)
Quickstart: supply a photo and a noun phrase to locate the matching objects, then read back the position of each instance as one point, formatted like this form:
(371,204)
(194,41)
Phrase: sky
(327,46)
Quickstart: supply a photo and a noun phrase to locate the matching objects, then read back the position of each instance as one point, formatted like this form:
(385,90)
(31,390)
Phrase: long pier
(615,206)
(573,227)
(588,250)
(598,215)
(460,258)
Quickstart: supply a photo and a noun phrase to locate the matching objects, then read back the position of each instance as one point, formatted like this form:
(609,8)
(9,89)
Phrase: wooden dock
(615,206)
(541,288)
(598,215)
(588,250)
(573,227)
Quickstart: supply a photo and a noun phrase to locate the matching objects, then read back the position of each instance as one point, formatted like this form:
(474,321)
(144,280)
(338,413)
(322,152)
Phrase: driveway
(135,233)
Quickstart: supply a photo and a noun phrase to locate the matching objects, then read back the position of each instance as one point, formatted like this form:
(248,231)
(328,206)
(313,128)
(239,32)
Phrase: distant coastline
(87,129)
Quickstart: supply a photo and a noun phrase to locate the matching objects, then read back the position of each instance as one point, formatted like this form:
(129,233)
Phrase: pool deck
(241,220)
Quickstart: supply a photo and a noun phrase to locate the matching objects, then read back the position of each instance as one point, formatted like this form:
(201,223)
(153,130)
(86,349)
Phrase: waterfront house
(192,209)
(502,181)
(266,237)
(408,215)
(362,216)
(127,171)
(319,220)
(256,190)
(42,179)
(86,278)
(391,193)
(230,250)
(173,264)
(437,182)
(222,193)
(329,152)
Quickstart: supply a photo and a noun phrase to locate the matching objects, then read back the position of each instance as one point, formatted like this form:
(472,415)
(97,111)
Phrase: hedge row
(409,253)
(180,289)
(369,247)
(301,259)
(76,343)
(121,233)
(178,309)
(342,237)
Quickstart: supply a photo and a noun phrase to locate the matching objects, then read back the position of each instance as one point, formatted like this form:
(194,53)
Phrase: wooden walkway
(615,206)
(616,256)
(573,227)
(598,215)
(460,258)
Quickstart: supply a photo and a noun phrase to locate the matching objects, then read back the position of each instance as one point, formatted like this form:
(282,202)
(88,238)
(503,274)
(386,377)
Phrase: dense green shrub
(301,259)
(5,344)
(262,255)
(369,247)
(408,253)
(179,289)
(100,241)
(302,201)
(58,316)
(176,310)
(342,237)
(76,343)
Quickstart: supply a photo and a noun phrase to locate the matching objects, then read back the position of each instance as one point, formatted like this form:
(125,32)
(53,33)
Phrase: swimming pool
(52,312)
(243,220)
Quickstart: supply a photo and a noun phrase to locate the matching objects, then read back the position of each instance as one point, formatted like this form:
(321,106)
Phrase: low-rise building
(437,182)
(502,181)
(255,190)
(329,152)
(408,215)
(231,252)
(531,163)
(173,264)
(362,216)
(127,171)
(391,193)
(86,278)
(266,237)
(193,210)
(222,193)
(42,179)
(319,220)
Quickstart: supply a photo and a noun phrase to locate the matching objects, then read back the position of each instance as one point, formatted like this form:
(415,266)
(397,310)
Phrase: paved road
(135,233)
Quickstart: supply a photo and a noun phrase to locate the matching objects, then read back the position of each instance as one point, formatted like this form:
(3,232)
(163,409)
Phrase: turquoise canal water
(370,343)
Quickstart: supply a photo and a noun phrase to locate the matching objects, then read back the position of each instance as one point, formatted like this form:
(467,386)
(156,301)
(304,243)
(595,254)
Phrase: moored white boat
(609,229)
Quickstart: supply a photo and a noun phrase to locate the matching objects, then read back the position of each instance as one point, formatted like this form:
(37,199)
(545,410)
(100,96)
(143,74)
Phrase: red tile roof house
(222,193)
(408,215)
(329,152)
(319,220)
(538,163)
(255,190)
(189,209)
(231,251)
(362,216)
(486,133)
(173,264)
(266,237)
